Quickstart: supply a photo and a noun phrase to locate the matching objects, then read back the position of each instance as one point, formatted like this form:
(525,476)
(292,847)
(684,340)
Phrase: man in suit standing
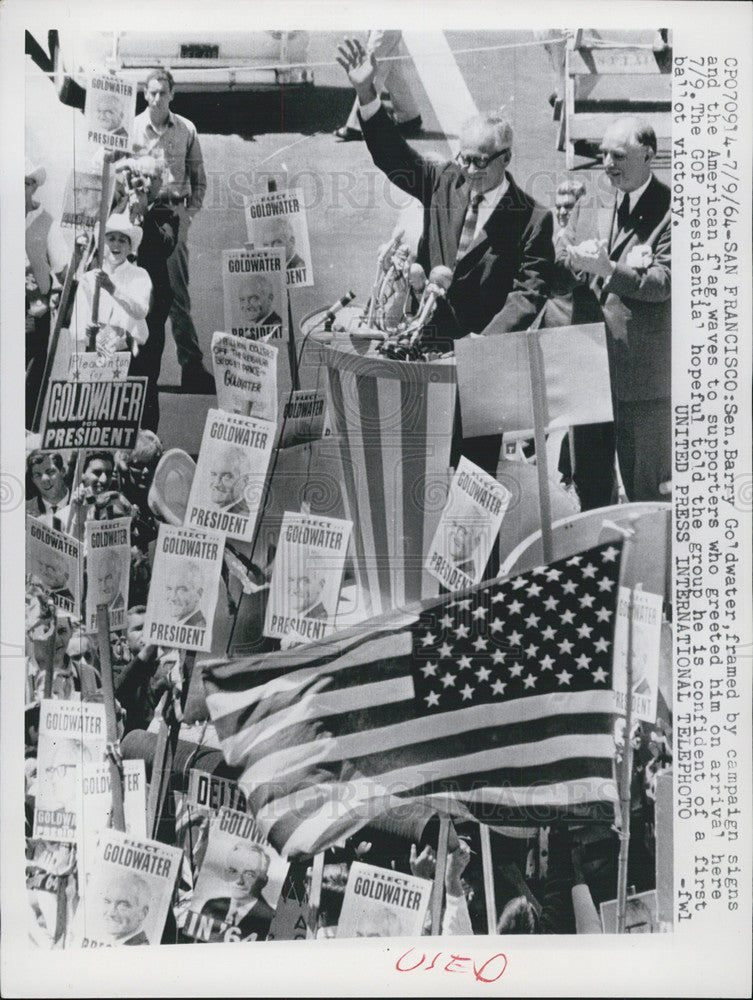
(631,273)
(476,220)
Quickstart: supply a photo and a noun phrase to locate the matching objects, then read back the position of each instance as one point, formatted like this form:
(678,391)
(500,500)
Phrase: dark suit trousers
(37,338)
(643,430)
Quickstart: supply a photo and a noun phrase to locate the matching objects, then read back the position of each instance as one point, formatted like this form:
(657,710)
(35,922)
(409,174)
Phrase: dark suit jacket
(271,319)
(138,938)
(197,619)
(256,921)
(317,611)
(636,303)
(508,266)
(159,229)
(295,261)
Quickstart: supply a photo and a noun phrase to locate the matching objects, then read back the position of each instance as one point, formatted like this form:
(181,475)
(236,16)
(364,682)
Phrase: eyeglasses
(479,162)
(58,770)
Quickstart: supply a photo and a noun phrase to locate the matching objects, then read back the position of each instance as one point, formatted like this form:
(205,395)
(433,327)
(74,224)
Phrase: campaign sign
(96,803)
(103,414)
(108,565)
(109,112)
(184,587)
(128,893)
(645,647)
(53,557)
(211,792)
(229,481)
(380,902)
(468,527)
(88,366)
(253,285)
(306,577)
(278,219)
(71,734)
(303,417)
(82,199)
(245,373)
(239,884)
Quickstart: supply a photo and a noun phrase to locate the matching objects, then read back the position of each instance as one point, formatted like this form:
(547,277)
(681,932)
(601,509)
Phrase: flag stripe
(347,462)
(438,449)
(540,761)
(500,725)
(413,471)
(389,391)
(372,481)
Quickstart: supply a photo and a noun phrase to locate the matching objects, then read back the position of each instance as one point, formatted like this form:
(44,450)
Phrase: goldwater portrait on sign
(278,219)
(228,485)
(53,557)
(110,110)
(108,548)
(184,588)
(431,420)
(253,283)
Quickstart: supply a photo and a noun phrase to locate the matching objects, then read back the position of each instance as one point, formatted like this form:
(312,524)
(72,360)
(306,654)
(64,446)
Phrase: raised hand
(360,65)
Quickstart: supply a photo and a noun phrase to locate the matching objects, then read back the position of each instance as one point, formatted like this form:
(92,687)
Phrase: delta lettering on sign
(93,414)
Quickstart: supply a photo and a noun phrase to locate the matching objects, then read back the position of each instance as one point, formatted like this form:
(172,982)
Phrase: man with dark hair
(631,273)
(172,138)
(45,481)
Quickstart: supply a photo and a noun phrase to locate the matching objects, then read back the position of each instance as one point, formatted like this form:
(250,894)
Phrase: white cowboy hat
(35,173)
(119,223)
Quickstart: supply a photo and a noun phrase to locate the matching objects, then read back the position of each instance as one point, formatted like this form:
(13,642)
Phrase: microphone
(335,309)
(417,278)
(385,252)
(440,280)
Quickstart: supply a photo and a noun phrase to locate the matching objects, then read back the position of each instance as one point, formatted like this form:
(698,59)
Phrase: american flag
(393,426)
(494,704)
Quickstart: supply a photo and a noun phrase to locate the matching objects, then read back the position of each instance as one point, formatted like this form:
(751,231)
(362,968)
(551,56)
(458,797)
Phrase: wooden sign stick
(111,722)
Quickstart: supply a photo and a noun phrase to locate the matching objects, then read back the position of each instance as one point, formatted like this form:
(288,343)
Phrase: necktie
(623,212)
(469,225)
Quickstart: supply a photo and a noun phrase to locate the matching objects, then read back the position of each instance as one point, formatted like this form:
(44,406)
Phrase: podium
(392,422)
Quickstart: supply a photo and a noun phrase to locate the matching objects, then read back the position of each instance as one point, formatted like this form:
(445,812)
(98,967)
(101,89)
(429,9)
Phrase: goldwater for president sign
(94,414)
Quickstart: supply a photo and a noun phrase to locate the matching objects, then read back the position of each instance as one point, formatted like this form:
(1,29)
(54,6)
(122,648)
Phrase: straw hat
(35,173)
(119,223)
